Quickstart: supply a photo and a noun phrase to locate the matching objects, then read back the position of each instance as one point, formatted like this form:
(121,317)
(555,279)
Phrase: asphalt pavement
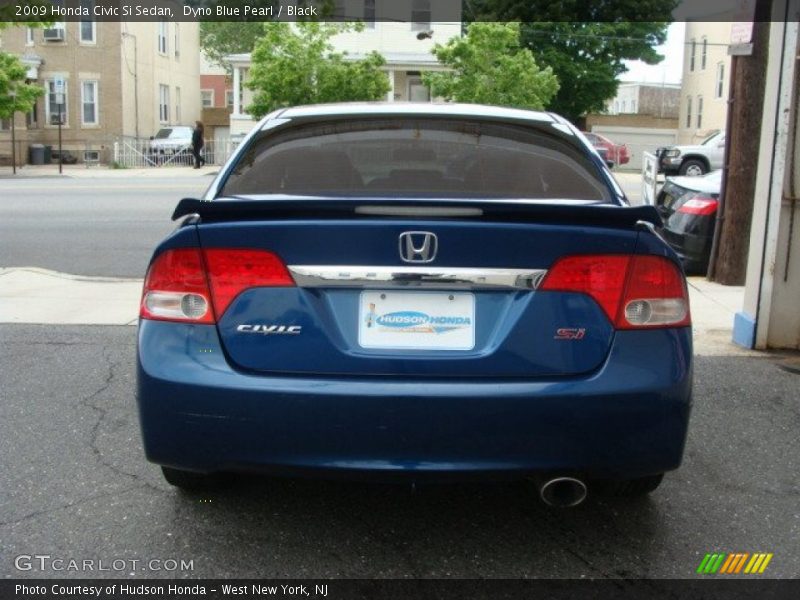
(90,227)
(74,484)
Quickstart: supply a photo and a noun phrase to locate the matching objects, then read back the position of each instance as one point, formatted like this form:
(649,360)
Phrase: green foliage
(219,38)
(490,67)
(12,79)
(293,65)
(585,43)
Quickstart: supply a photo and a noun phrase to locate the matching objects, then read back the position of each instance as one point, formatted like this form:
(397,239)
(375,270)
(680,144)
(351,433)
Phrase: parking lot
(74,484)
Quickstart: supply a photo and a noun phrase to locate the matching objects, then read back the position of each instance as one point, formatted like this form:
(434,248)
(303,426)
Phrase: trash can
(36,152)
(48,154)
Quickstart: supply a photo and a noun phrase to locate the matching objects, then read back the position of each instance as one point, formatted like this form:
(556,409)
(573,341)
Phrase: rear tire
(693,168)
(630,488)
(194,482)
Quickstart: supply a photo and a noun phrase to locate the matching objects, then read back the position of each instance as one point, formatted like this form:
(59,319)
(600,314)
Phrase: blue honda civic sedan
(419,291)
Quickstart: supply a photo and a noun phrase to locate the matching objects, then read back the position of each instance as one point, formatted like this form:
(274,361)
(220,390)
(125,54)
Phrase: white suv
(708,155)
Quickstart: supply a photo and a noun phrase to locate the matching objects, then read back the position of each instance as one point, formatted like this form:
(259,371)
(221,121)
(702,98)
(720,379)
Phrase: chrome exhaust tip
(563,492)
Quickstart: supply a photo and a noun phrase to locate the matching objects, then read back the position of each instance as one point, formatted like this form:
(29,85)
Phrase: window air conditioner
(54,34)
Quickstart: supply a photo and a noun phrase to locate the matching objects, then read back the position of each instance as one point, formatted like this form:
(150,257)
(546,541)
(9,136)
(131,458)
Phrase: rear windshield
(415,157)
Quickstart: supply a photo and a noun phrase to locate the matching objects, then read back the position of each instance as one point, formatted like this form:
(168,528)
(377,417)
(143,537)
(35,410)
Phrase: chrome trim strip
(417,277)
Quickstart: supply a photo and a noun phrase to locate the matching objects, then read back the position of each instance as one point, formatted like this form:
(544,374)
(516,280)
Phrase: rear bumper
(692,250)
(627,419)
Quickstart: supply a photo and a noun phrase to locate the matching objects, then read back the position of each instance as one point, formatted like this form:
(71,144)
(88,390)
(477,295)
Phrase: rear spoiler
(280,207)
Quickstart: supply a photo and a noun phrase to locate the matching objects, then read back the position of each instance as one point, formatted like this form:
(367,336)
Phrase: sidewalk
(103,172)
(32,295)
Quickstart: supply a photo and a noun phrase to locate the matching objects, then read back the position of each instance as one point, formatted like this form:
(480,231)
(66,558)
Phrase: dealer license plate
(416,320)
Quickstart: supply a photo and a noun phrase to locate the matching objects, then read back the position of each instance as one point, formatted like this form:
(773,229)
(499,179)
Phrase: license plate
(417,320)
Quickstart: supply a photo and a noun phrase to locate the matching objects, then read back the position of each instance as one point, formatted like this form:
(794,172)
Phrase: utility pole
(728,263)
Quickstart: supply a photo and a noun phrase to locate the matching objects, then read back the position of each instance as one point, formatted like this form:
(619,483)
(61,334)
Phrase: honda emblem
(418,246)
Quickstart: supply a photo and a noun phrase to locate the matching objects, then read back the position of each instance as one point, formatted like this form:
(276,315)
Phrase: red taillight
(231,271)
(602,277)
(175,288)
(189,284)
(699,205)
(635,292)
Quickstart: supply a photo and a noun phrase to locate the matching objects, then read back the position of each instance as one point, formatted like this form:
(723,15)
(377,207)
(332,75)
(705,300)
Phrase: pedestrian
(197,144)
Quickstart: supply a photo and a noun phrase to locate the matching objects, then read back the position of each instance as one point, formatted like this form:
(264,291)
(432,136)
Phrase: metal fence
(132,152)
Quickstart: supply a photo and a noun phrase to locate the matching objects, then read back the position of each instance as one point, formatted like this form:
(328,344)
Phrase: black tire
(194,482)
(692,166)
(641,486)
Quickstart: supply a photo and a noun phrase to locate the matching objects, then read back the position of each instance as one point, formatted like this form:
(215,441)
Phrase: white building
(658,100)
(705,81)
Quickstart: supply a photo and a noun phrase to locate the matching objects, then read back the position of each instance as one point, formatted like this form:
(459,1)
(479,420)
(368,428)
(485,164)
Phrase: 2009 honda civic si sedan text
(416,290)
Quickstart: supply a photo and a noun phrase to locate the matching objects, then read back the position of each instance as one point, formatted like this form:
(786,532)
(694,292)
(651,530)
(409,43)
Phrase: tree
(12,80)
(219,38)
(13,73)
(296,64)
(490,67)
(585,43)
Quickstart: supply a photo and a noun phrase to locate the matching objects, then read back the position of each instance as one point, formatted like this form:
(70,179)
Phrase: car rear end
(416,292)
(689,216)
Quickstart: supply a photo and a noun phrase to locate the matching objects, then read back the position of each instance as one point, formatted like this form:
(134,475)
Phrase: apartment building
(705,81)
(119,80)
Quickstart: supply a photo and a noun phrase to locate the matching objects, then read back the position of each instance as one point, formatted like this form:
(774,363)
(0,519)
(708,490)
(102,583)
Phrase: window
(229,98)
(719,88)
(177,105)
(691,55)
(624,106)
(163,103)
(177,41)
(51,107)
(207,97)
(704,54)
(422,156)
(89,114)
(339,12)
(5,124)
(688,111)
(369,14)
(633,106)
(162,37)
(32,117)
(88,29)
(420,15)
(29,36)
(699,112)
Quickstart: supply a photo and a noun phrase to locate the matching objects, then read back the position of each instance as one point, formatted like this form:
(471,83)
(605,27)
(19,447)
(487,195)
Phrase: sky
(669,69)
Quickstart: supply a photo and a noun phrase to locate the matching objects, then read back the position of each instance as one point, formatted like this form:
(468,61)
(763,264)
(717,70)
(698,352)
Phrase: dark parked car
(416,291)
(688,206)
